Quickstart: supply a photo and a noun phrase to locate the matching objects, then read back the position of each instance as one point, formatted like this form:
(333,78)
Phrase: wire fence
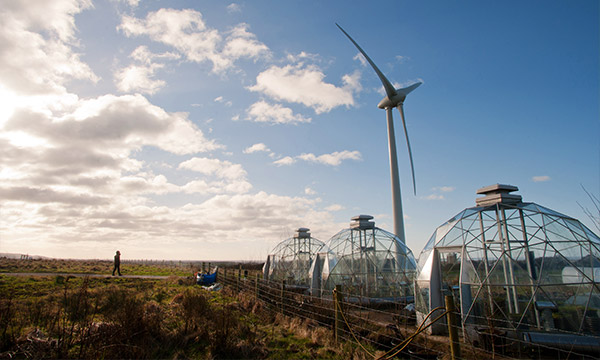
(386,329)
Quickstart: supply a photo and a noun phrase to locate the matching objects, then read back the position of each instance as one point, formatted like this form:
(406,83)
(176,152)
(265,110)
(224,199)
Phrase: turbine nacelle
(387,103)
(397,97)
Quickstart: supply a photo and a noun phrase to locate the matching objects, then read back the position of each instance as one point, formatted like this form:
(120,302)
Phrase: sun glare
(8,101)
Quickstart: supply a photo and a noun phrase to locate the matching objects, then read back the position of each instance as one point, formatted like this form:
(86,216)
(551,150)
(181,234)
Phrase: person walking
(117,263)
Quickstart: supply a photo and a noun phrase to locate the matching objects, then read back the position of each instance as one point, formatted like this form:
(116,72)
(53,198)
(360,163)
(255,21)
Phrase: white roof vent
(302,233)
(498,194)
(362,222)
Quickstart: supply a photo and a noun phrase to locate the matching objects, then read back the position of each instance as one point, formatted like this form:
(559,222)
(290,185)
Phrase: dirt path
(86,275)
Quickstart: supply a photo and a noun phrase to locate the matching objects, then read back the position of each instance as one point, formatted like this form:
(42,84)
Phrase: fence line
(383,329)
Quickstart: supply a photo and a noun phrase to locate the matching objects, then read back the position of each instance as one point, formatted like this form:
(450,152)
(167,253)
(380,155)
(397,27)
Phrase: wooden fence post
(239,277)
(337,303)
(452,328)
(256,287)
(282,294)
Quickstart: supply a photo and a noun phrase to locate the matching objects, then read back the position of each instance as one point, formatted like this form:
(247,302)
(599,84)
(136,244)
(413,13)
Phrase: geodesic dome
(514,266)
(367,261)
(291,259)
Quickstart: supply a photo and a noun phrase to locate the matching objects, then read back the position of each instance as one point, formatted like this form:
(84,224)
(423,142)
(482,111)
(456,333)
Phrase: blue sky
(213,130)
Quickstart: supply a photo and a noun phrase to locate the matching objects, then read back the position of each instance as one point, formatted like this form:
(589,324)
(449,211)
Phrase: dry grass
(82,317)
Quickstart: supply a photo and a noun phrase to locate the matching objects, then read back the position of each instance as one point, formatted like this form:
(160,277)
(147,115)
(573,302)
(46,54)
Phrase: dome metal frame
(515,266)
(292,258)
(368,262)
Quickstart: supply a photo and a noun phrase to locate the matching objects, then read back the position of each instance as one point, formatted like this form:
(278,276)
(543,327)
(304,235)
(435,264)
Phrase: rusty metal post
(452,328)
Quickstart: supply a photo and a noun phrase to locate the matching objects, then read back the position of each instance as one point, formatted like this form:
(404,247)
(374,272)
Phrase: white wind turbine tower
(394,98)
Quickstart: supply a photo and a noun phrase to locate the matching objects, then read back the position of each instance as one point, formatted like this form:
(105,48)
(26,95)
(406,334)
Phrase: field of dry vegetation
(111,317)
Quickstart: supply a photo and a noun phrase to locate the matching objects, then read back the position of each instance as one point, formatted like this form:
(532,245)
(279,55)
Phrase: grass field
(106,317)
(93,267)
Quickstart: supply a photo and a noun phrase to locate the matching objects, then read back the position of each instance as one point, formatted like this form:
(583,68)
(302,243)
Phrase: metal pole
(486,265)
(530,269)
(504,264)
(396,195)
(452,328)
(510,263)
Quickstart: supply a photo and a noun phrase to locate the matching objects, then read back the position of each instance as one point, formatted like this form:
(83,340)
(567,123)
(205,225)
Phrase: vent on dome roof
(302,233)
(362,222)
(498,194)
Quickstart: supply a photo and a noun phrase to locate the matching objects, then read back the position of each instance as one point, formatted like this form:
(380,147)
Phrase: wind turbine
(394,99)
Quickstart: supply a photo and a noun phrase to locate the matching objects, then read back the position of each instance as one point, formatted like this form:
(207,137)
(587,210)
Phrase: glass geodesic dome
(514,266)
(367,261)
(291,259)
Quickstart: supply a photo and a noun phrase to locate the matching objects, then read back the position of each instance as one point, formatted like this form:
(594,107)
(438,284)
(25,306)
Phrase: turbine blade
(412,168)
(407,90)
(387,85)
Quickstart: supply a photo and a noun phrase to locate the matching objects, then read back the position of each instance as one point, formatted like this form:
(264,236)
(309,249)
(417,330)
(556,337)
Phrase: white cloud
(132,3)
(401,59)
(146,230)
(304,85)
(264,112)
(334,207)
(301,56)
(186,31)
(219,168)
(37,42)
(74,179)
(119,121)
(233,7)
(360,57)
(542,178)
(288,160)
(231,178)
(434,197)
(444,189)
(145,56)
(438,190)
(352,81)
(243,44)
(309,191)
(139,78)
(259,147)
(220,99)
(84,156)
(333,159)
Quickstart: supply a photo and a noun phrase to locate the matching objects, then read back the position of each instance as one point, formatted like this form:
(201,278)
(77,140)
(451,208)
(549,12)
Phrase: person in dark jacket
(117,263)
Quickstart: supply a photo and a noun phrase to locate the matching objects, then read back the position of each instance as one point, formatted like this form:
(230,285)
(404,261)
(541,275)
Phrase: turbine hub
(396,100)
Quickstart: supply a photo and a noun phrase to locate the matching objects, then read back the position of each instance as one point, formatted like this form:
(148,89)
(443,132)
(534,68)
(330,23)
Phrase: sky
(212,130)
